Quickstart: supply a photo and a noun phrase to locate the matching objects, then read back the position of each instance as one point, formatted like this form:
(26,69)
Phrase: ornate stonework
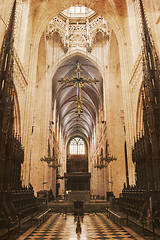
(80,35)
(77,40)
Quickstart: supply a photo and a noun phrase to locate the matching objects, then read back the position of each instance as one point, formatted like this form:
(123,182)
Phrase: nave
(79,115)
(91,226)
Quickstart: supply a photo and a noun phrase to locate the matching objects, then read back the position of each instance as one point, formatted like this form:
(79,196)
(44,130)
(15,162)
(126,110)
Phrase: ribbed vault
(71,123)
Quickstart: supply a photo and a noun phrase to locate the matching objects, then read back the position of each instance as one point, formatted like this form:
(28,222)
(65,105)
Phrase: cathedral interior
(79,119)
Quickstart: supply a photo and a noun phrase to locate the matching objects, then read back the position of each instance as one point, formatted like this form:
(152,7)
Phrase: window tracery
(77,146)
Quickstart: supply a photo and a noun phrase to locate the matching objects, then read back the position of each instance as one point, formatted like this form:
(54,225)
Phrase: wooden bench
(118,218)
(39,219)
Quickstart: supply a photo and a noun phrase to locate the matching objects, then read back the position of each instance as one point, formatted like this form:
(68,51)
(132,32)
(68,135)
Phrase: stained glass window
(77,146)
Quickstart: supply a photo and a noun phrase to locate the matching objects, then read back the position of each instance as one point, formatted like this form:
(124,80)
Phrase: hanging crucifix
(78,81)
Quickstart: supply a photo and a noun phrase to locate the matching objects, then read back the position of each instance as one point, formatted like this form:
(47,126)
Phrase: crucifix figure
(78,80)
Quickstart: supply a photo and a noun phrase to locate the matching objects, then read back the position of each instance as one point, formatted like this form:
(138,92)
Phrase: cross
(78,81)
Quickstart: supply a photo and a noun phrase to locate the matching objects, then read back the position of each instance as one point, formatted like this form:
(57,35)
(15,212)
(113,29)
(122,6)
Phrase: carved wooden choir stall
(14,200)
(145,195)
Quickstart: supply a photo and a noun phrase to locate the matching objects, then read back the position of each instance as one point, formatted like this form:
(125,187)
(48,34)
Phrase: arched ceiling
(66,95)
(54,7)
(42,11)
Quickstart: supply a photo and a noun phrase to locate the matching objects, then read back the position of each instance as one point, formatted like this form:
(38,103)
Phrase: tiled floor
(92,226)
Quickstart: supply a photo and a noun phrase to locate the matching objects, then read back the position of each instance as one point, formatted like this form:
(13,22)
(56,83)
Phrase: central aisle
(68,227)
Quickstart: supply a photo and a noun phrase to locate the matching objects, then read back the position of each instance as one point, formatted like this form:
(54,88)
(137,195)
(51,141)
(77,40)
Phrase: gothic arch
(79,136)
(75,135)
(64,95)
(56,65)
(72,53)
(111,11)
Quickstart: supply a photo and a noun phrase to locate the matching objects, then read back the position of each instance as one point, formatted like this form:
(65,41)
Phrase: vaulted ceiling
(65,95)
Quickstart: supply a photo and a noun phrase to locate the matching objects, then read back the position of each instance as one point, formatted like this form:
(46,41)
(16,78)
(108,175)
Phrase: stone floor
(89,227)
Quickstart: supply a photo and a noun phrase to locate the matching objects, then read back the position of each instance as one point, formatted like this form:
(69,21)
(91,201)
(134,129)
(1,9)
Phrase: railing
(95,22)
(58,21)
(118,218)
(77,27)
(38,220)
